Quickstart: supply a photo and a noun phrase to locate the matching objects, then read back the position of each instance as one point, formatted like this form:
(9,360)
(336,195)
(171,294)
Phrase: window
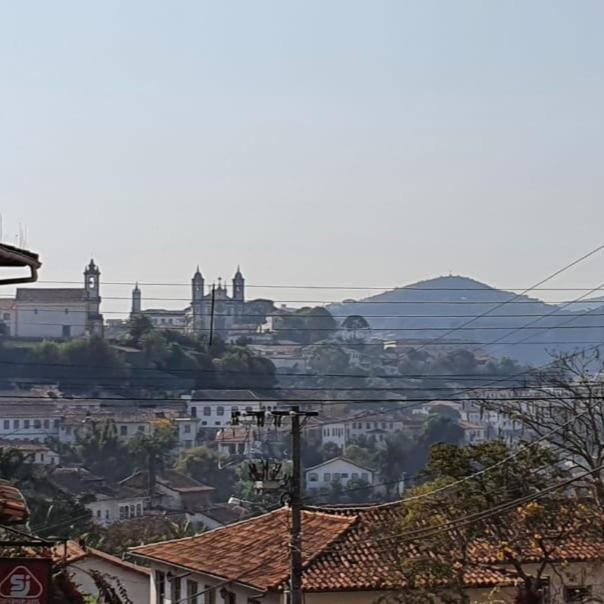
(327,477)
(7,424)
(123,430)
(37,424)
(35,311)
(67,311)
(175,589)
(577,593)
(368,425)
(219,410)
(66,331)
(192,589)
(365,476)
(354,476)
(344,475)
(336,476)
(218,423)
(187,428)
(207,411)
(123,512)
(26,424)
(42,457)
(204,423)
(313,477)
(139,509)
(210,595)
(107,514)
(160,586)
(46,424)
(140,428)
(98,513)
(16,424)
(193,411)
(6,316)
(56,423)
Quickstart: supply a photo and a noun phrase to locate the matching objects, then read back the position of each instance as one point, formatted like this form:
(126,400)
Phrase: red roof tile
(253,552)
(345,549)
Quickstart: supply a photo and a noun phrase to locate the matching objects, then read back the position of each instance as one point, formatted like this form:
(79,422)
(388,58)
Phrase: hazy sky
(314,142)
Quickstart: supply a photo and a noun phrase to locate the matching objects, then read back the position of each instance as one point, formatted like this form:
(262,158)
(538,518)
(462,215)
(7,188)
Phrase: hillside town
(301,302)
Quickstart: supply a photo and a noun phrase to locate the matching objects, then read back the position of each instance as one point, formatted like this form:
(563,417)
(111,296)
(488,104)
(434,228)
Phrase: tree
(154,346)
(439,547)
(566,410)
(151,451)
(99,448)
(120,536)
(238,367)
(328,358)
(391,459)
(13,465)
(308,325)
(207,466)
(138,325)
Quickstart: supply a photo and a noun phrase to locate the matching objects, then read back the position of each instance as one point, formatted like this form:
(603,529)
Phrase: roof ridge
(214,530)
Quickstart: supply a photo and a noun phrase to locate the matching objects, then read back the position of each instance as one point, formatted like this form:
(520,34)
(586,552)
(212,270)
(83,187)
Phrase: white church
(54,313)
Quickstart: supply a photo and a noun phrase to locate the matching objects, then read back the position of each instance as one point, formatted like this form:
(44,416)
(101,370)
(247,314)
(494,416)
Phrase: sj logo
(21,583)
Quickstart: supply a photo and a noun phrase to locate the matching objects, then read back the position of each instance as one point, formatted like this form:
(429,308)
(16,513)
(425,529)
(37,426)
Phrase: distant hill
(427,309)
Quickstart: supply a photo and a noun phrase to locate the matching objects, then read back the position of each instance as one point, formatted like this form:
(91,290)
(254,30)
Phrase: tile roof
(72,551)
(345,549)
(13,509)
(50,295)
(170,479)
(252,552)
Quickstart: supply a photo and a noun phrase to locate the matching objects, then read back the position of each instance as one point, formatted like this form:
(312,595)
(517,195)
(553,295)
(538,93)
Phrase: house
(80,560)
(238,440)
(214,408)
(319,478)
(172,491)
(473,434)
(374,428)
(107,502)
(33,452)
(350,555)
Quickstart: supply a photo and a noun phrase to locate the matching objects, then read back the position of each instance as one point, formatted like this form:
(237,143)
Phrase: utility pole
(298,419)
(296,511)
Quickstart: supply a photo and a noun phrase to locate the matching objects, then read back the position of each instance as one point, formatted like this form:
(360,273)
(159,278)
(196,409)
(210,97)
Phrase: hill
(427,309)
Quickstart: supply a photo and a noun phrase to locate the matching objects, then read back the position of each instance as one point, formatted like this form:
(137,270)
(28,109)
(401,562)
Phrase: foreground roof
(345,549)
(13,509)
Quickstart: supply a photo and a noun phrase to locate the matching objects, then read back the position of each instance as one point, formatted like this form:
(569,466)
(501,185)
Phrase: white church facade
(55,313)
(213,310)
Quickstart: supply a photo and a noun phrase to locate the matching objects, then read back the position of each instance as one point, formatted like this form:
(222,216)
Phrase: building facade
(57,313)
(212,310)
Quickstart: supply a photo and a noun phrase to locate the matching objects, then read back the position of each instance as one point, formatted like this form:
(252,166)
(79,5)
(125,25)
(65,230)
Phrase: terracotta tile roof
(252,552)
(170,479)
(72,551)
(345,549)
(13,509)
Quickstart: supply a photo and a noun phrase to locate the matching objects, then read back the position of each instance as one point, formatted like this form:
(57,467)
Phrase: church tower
(238,294)
(92,293)
(197,305)
(136,301)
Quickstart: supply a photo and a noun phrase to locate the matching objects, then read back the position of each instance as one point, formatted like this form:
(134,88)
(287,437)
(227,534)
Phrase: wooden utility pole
(296,510)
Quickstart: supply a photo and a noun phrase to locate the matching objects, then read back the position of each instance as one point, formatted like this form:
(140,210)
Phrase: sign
(24,580)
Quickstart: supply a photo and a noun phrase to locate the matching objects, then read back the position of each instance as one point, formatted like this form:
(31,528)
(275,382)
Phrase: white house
(214,408)
(375,428)
(81,560)
(336,433)
(33,452)
(339,469)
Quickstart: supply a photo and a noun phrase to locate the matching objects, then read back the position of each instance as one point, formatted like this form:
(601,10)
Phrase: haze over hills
(426,310)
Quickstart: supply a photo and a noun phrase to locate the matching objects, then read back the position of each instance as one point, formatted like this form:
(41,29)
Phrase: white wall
(334,470)
(44,320)
(107,511)
(334,433)
(28,428)
(137,585)
(217,414)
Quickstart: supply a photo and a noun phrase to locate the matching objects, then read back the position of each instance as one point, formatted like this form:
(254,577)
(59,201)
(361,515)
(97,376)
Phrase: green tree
(151,452)
(99,448)
(391,459)
(138,325)
(207,466)
(328,358)
(154,346)
(439,548)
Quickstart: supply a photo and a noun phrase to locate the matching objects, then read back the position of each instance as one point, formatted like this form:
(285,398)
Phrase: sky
(323,142)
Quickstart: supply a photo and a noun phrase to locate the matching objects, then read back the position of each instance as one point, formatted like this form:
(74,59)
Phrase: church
(213,309)
(55,313)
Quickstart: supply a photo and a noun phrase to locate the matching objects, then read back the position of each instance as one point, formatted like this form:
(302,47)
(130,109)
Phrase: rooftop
(345,549)
(51,295)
